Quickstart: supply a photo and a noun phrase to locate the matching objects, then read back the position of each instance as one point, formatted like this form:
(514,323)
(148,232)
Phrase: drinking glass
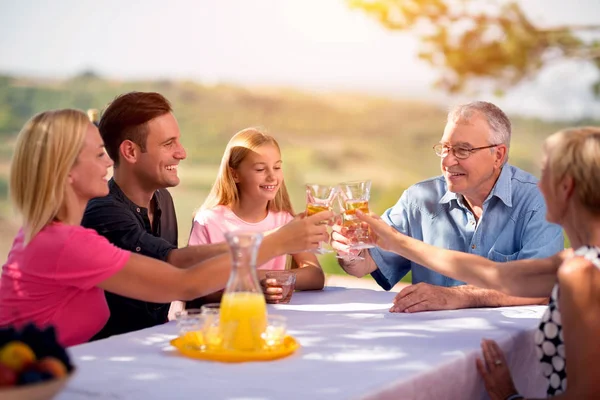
(355,196)
(319,198)
(287,281)
(190,324)
(276,331)
(212,333)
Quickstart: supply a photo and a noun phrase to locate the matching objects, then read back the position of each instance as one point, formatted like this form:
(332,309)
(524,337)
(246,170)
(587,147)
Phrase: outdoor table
(352,347)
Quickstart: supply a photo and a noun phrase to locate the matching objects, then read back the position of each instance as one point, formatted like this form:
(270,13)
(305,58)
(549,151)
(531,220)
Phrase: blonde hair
(93,114)
(225,191)
(575,152)
(46,150)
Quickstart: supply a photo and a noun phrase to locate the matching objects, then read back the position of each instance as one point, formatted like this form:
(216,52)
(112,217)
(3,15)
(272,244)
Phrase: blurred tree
(471,41)
(88,74)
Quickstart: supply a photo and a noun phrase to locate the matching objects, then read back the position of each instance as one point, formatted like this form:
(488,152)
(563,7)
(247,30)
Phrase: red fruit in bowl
(53,366)
(8,377)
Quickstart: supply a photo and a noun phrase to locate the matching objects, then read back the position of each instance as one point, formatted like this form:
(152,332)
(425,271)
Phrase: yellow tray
(289,346)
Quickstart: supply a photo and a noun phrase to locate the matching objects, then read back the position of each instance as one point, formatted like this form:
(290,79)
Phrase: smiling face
(260,175)
(88,176)
(475,176)
(157,166)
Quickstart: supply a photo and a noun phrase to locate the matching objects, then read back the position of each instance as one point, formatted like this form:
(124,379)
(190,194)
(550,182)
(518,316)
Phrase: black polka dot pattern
(549,337)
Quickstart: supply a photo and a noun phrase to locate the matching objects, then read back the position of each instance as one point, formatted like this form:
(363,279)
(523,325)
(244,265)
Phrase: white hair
(500,127)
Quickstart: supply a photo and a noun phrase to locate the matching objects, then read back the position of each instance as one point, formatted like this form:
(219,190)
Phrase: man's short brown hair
(126,118)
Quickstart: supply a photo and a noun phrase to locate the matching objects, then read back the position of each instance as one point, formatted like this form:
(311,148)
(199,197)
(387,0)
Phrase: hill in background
(325,138)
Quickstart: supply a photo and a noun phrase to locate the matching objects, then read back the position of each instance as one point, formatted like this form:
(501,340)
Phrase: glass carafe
(243,316)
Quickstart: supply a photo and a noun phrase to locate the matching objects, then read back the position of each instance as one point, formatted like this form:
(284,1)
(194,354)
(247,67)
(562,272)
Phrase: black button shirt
(127,226)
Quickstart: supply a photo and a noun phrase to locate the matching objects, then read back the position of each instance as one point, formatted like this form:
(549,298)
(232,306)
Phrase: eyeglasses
(442,150)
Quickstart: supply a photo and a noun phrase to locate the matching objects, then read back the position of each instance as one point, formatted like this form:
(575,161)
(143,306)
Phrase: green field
(324,138)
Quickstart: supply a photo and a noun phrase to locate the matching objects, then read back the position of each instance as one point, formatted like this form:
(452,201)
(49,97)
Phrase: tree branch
(469,43)
(567,28)
(584,54)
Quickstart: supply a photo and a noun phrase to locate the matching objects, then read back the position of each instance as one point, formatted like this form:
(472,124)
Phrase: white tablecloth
(352,347)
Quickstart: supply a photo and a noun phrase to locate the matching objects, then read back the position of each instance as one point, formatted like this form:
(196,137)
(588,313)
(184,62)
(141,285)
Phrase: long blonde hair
(225,191)
(575,152)
(46,150)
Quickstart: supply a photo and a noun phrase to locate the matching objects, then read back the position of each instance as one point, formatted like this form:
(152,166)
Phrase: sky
(310,44)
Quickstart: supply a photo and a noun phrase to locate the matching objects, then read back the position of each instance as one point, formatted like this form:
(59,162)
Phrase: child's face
(260,174)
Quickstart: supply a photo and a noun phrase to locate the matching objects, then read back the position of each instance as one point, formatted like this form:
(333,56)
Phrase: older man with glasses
(479,205)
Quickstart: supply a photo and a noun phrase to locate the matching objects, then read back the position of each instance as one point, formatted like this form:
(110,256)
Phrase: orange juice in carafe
(243,320)
(243,315)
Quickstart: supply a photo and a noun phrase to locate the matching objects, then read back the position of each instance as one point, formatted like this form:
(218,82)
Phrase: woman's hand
(384,234)
(495,372)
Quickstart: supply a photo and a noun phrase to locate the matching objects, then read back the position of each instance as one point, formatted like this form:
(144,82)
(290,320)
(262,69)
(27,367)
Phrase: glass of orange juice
(355,196)
(319,198)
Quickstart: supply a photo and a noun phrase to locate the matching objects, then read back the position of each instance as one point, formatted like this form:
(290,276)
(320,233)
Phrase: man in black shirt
(141,135)
(128,226)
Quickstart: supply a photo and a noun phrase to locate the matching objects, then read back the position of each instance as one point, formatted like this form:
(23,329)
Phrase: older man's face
(475,176)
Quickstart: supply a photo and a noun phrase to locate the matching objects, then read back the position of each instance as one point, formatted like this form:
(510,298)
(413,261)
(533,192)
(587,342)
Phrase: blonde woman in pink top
(250,194)
(57,271)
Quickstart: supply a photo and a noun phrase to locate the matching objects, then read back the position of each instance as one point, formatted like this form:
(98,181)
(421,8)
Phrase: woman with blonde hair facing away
(567,337)
(250,194)
(57,270)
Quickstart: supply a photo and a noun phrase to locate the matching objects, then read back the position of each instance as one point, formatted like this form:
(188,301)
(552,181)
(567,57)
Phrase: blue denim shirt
(513,226)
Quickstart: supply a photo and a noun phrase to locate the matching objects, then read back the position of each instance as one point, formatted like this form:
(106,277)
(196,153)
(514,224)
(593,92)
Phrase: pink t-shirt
(52,281)
(210,225)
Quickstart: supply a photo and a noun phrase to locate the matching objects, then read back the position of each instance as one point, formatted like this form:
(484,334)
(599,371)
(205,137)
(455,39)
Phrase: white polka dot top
(549,336)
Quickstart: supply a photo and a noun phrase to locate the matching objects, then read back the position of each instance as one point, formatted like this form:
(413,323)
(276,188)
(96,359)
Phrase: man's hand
(302,233)
(341,240)
(426,297)
(495,372)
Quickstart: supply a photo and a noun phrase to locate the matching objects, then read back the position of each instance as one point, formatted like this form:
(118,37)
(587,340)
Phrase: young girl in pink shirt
(57,271)
(250,194)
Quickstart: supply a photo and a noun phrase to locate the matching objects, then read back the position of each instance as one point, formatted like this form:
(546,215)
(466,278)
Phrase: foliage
(471,41)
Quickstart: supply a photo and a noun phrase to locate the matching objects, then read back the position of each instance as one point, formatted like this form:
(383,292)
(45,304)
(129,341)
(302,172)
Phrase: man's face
(475,176)
(157,166)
